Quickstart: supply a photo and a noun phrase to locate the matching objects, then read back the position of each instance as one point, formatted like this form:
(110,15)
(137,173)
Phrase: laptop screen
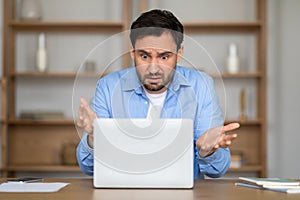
(143,153)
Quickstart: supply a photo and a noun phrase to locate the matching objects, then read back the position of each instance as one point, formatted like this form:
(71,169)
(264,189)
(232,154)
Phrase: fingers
(227,140)
(230,137)
(86,116)
(80,116)
(86,107)
(231,127)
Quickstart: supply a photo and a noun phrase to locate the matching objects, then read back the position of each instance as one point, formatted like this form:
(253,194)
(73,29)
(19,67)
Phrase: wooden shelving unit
(56,75)
(75,26)
(41,168)
(248,168)
(36,145)
(40,122)
(17,148)
(240,75)
(252,134)
(222,27)
(3,124)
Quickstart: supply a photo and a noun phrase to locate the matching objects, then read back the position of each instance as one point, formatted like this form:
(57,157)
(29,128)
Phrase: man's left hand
(215,138)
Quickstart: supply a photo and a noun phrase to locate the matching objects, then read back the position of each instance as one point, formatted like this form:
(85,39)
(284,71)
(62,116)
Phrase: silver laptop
(140,153)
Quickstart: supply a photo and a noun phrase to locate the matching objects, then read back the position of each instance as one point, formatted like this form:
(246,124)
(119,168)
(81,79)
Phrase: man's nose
(153,67)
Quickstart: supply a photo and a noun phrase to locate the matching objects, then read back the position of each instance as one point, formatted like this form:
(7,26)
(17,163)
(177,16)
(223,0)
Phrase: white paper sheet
(32,187)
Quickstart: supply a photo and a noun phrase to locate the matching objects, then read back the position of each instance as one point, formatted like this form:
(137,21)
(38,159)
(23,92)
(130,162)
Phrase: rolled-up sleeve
(209,115)
(84,153)
(85,156)
(215,165)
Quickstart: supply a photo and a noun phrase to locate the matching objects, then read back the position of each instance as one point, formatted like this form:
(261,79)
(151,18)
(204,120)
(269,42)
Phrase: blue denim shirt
(190,95)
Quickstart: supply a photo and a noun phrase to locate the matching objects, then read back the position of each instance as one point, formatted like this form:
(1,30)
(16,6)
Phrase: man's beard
(156,87)
(149,87)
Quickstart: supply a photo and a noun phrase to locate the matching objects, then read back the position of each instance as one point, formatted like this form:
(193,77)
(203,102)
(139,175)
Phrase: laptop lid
(139,153)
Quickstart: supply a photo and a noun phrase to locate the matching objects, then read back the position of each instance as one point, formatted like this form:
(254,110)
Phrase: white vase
(30,10)
(41,54)
(233,64)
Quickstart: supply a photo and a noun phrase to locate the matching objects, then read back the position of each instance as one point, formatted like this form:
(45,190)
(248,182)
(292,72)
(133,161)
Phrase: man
(157,85)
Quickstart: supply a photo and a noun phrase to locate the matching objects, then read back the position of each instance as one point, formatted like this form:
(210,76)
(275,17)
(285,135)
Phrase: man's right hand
(86,117)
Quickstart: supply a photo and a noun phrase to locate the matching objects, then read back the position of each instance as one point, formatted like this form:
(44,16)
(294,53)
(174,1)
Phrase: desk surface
(204,189)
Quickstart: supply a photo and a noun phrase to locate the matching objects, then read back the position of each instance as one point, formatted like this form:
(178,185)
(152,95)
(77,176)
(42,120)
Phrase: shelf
(246,168)
(54,168)
(56,74)
(66,26)
(237,75)
(71,122)
(2,83)
(92,74)
(40,122)
(250,168)
(112,26)
(242,26)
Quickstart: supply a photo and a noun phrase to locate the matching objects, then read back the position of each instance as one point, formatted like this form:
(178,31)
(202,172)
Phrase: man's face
(155,58)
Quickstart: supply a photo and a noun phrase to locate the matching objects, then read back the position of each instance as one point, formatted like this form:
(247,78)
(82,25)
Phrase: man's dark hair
(156,22)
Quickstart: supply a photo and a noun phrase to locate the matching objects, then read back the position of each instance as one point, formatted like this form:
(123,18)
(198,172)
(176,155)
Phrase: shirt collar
(179,80)
(130,81)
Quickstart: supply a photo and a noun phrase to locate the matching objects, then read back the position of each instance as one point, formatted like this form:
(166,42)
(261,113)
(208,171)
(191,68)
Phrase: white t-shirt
(156,104)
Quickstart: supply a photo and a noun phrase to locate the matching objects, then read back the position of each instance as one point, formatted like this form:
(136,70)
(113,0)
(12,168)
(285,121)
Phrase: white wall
(1,42)
(1,17)
(289,88)
(273,85)
(284,91)
(1,11)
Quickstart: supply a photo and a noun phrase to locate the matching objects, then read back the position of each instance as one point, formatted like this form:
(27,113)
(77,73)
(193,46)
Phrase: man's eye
(144,56)
(164,57)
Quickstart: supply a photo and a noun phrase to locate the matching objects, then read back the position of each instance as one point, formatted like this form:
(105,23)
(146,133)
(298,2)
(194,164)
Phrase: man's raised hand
(215,138)
(86,117)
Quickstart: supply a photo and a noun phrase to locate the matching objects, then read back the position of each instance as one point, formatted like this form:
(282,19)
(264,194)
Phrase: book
(295,190)
(236,159)
(42,115)
(273,184)
(282,186)
(270,181)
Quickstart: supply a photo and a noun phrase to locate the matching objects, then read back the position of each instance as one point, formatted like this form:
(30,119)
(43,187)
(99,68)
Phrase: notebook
(140,153)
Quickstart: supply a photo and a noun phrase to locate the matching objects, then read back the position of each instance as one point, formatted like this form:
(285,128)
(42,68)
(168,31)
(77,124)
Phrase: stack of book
(42,115)
(274,184)
(236,159)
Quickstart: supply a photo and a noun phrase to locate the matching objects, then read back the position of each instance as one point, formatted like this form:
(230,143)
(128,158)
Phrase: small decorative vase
(30,10)
(41,54)
(233,60)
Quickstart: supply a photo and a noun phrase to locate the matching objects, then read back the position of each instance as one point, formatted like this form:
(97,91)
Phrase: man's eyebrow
(142,51)
(159,53)
(165,52)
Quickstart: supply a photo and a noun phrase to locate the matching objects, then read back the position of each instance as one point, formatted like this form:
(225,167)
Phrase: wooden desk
(206,189)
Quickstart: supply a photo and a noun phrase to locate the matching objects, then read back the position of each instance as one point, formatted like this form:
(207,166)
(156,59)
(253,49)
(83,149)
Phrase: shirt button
(146,102)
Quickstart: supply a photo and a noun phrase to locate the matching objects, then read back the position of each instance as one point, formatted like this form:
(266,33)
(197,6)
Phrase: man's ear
(179,53)
(131,52)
